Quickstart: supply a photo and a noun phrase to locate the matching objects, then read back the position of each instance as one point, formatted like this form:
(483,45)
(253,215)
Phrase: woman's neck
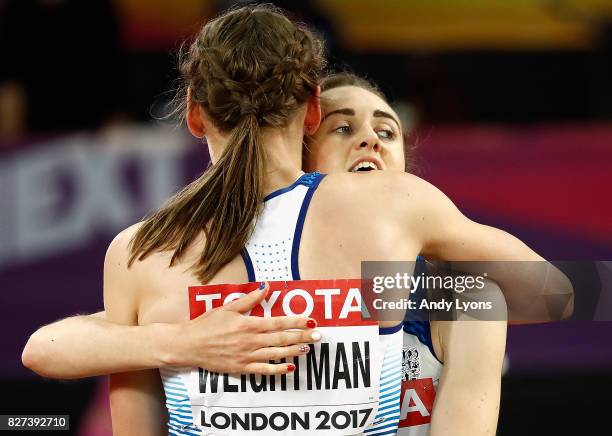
(283,148)
(283,163)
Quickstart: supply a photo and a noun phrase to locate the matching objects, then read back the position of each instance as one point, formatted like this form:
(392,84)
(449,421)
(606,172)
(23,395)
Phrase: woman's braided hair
(267,79)
(249,68)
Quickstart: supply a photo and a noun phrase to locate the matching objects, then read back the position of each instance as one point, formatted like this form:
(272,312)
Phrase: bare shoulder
(120,284)
(117,266)
(119,249)
(145,271)
(401,195)
(394,185)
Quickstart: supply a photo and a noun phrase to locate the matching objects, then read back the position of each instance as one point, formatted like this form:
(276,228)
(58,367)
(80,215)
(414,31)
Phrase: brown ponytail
(249,68)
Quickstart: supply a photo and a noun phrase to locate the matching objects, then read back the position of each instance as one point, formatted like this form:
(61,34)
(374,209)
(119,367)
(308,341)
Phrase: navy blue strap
(311,180)
(248,264)
(422,330)
(305,179)
(389,330)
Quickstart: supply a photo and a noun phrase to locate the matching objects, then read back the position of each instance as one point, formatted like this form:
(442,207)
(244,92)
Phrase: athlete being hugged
(251,80)
(360,133)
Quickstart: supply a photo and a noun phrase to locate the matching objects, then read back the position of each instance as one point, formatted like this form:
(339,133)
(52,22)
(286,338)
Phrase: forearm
(468,395)
(465,412)
(535,289)
(86,346)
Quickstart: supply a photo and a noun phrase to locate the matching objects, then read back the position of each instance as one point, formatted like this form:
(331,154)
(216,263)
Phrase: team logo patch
(411,366)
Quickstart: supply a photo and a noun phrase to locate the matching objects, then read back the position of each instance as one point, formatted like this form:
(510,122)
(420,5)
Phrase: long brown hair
(249,68)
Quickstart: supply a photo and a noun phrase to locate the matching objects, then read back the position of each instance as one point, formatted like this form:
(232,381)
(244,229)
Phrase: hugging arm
(528,282)
(222,340)
(89,345)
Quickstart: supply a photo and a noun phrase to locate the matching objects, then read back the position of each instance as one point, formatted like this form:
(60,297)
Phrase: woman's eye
(343,129)
(385,134)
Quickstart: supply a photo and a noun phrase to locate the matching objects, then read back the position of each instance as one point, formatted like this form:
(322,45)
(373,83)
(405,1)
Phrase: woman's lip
(375,161)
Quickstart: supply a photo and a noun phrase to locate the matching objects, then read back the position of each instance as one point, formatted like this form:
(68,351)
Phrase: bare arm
(467,399)
(137,404)
(136,398)
(529,283)
(222,340)
(88,345)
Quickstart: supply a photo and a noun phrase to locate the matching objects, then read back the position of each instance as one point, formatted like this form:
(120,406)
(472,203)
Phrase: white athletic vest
(349,383)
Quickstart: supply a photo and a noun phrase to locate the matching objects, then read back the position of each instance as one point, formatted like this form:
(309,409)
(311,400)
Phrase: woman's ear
(194,117)
(313,113)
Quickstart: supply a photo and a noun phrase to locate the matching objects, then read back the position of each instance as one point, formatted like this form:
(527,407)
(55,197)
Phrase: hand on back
(226,340)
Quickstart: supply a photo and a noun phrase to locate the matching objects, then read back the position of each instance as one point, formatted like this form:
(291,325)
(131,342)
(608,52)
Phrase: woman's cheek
(322,164)
(399,164)
(316,155)
(397,161)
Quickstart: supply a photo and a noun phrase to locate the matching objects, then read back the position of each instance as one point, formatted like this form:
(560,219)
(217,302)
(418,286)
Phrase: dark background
(508,105)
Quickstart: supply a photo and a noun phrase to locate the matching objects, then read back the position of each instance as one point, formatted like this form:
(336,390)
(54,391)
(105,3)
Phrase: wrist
(166,344)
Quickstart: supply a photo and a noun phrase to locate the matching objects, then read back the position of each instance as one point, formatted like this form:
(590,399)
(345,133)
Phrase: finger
(279,323)
(277,353)
(250,300)
(269,368)
(281,339)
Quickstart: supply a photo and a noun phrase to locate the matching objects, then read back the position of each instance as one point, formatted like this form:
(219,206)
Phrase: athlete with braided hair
(208,233)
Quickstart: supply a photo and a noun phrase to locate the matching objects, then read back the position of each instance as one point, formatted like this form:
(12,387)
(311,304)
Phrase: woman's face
(359,132)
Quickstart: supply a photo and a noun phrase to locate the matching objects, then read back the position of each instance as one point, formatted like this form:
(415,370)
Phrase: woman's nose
(371,141)
(373,144)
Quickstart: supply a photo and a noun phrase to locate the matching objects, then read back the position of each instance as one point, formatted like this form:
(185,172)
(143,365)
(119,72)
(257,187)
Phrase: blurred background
(509,105)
